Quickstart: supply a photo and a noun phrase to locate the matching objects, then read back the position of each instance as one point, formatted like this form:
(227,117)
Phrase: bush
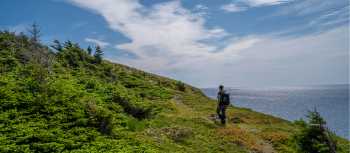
(181,86)
(132,109)
(100,118)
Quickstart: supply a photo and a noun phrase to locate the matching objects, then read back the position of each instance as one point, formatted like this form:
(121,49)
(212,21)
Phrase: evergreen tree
(89,50)
(315,137)
(34,32)
(57,45)
(68,44)
(98,54)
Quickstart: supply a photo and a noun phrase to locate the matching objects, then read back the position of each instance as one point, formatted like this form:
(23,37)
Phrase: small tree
(68,44)
(34,32)
(315,137)
(89,50)
(98,54)
(315,118)
(57,45)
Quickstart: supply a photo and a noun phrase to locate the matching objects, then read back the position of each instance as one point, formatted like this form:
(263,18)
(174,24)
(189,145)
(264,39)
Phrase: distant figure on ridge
(223,102)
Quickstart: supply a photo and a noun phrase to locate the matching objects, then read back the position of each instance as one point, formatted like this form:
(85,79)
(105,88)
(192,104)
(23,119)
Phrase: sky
(238,43)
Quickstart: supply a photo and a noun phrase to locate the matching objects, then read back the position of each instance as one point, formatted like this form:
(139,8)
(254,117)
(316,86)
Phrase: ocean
(293,103)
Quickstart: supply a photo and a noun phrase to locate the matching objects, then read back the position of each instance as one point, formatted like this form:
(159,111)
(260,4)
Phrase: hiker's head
(221,87)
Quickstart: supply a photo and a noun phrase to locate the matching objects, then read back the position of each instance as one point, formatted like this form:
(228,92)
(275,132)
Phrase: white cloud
(200,10)
(200,7)
(232,8)
(100,43)
(161,36)
(243,5)
(256,3)
(241,44)
(272,60)
(169,39)
(275,60)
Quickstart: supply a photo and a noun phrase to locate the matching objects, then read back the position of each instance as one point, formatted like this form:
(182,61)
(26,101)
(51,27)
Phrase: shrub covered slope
(66,100)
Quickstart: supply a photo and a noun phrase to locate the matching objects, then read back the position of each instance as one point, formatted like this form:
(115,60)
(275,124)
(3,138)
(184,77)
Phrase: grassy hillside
(65,100)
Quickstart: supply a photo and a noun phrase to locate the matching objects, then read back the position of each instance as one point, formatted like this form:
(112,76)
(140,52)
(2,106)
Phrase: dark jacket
(221,97)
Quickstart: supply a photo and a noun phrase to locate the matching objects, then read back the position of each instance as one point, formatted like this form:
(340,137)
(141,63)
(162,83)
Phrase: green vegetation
(66,100)
(98,54)
(315,137)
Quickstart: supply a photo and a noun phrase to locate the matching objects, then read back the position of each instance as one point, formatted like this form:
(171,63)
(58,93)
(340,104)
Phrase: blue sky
(238,43)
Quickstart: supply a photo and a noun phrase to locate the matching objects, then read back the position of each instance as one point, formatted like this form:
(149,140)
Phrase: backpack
(226,99)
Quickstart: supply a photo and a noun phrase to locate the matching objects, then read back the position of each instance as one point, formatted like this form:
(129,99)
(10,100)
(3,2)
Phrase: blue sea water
(292,103)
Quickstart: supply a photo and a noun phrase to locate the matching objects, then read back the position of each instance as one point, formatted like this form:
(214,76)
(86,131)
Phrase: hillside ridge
(63,99)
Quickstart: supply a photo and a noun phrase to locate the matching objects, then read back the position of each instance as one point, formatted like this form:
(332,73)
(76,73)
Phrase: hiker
(223,102)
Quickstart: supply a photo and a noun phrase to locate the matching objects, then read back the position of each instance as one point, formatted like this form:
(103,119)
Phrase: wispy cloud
(80,24)
(332,17)
(309,7)
(321,15)
(200,7)
(233,8)
(100,43)
(242,5)
(201,10)
(257,3)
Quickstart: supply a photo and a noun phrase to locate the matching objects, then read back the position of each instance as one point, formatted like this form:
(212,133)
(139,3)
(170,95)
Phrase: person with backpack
(223,102)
